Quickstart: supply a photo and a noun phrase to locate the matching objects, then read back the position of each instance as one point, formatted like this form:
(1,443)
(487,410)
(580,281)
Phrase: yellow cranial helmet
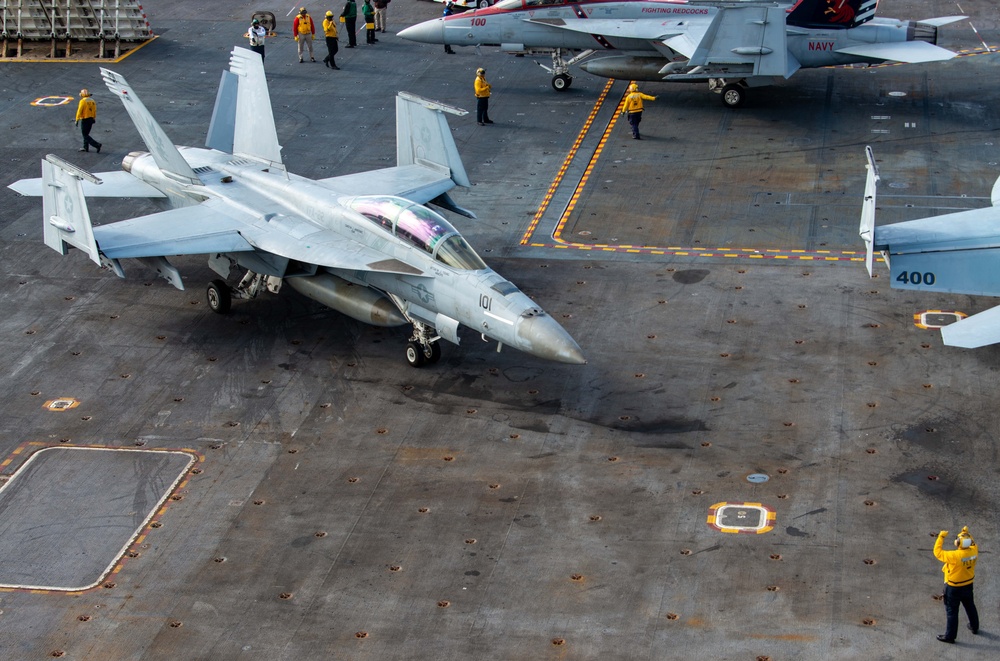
(302,10)
(480,71)
(84,92)
(329,13)
(633,88)
(964,539)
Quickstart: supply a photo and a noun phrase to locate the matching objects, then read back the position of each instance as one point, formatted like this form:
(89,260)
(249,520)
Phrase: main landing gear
(733,94)
(423,347)
(561,79)
(220,295)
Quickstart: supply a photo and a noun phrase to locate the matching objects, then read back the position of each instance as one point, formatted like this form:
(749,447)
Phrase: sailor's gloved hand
(943,533)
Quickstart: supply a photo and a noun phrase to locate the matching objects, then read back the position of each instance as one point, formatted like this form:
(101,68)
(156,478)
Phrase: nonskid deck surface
(752,464)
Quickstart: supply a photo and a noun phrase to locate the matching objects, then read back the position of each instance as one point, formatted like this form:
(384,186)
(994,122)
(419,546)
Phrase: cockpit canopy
(420,227)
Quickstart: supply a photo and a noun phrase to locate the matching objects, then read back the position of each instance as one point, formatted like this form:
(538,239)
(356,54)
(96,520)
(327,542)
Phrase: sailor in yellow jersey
(632,107)
(483,90)
(86,115)
(304,29)
(959,571)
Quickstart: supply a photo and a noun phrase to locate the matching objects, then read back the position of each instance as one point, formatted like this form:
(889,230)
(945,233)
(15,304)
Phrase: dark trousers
(85,126)
(332,46)
(370,35)
(482,109)
(351,24)
(258,49)
(952,598)
(633,120)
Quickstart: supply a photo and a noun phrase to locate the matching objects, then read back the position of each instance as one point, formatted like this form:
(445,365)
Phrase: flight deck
(753,464)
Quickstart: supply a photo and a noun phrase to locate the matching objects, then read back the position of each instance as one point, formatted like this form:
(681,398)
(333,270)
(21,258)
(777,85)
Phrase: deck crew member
(632,108)
(959,571)
(86,116)
(482,98)
(304,30)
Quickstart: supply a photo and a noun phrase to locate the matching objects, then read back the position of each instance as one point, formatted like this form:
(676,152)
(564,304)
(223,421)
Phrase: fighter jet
(730,45)
(382,258)
(955,253)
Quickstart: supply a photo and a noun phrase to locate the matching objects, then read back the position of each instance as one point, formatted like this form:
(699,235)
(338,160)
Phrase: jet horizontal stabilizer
(942,20)
(109,184)
(911,52)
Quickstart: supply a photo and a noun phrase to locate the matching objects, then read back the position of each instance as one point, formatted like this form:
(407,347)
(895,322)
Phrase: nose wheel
(562,82)
(418,355)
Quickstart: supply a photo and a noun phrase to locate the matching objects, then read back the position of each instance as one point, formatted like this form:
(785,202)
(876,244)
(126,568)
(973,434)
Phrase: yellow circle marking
(51,101)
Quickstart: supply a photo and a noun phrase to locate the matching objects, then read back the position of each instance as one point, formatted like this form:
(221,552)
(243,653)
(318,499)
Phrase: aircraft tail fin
(973,332)
(254,134)
(64,208)
(831,14)
(222,127)
(867,229)
(423,136)
(166,155)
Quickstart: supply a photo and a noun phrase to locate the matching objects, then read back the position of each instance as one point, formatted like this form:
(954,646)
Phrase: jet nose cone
(428,32)
(542,336)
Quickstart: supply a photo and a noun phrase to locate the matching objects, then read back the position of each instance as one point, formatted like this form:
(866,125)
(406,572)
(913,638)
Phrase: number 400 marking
(916,278)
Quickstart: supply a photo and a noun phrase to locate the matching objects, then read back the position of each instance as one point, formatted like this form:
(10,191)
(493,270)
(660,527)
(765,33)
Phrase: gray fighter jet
(730,45)
(382,258)
(955,253)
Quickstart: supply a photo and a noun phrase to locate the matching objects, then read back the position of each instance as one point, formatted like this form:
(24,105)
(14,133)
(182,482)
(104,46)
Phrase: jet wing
(911,52)
(195,230)
(691,30)
(114,184)
(216,227)
(419,183)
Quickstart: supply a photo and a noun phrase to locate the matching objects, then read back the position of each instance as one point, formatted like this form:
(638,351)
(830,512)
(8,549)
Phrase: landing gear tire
(415,355)
(734,95)
(418,356)
(483,4)
(562,82)
(220,300)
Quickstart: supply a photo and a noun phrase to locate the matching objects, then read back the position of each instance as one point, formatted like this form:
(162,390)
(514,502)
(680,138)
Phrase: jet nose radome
(428,32)
(542,336)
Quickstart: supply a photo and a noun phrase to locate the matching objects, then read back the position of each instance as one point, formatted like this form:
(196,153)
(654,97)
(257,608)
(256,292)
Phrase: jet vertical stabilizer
(64,208)
(831,14)
(867,230)
(423,136)
(167,158)
(222,127)
(254,135)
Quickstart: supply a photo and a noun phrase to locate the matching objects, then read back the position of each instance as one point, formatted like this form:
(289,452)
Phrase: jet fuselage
(429,269)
